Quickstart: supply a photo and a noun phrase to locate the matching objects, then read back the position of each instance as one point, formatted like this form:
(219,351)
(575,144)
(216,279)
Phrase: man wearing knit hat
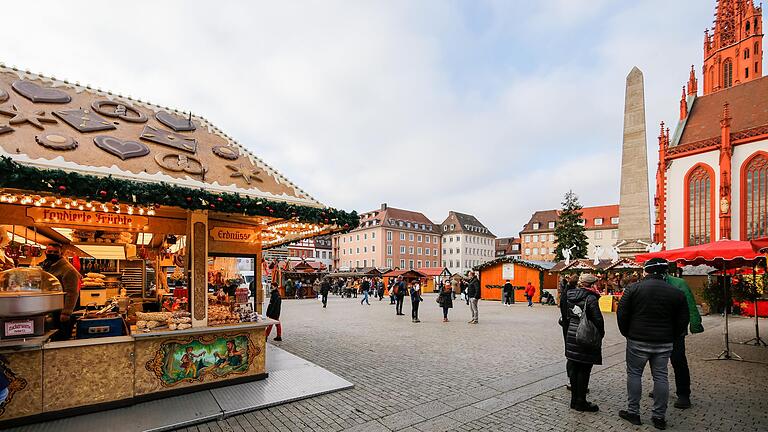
(652,314)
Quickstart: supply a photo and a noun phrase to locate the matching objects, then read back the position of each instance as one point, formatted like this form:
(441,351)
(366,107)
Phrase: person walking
(325,287)
(464,287)
(273,312)
(507,290)
(415,294)
(365,287)
(380,289)
(678,358)
(582,304)
(445,299)
(473,294)
(530,291)
(399,295)
(391,290)
(652,314)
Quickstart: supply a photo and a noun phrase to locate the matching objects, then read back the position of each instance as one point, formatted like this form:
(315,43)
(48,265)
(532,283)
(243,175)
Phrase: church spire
(733,52)
(693,83)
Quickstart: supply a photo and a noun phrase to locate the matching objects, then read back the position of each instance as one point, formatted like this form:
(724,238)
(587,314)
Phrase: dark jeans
(64,327)
(325,299)
(680,366)
(365,298)
(415,309)
(579,374)
(399,305)
(530,300)
(508,298)
(445,312)
(657,355)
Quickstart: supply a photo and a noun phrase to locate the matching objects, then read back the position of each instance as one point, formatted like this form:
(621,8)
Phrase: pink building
(389,238)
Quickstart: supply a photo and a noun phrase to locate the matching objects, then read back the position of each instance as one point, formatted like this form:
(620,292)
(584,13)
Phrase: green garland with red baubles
(112,190)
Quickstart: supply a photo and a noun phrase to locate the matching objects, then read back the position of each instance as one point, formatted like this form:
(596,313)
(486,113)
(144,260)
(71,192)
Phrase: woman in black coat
(582,304)
(273,312)
(445,299)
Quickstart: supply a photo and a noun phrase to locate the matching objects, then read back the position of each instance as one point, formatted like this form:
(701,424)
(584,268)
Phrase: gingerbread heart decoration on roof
(38,94)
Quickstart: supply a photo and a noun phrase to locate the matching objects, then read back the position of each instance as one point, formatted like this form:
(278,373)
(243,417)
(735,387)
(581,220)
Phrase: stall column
(197,251)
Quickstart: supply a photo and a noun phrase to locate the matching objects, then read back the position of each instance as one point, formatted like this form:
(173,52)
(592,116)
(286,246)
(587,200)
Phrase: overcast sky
(494,108)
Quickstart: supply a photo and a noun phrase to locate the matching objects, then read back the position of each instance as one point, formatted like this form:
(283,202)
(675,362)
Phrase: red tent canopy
(733,252)
(760,244)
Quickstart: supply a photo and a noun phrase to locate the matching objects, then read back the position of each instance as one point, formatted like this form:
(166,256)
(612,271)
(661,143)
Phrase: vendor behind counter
(57,265)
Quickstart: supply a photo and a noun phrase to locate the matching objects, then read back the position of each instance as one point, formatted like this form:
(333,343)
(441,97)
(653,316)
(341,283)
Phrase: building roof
(747,106)
(393,217)
(607,212)
(506,244)
(465,223)
(49,123)
(434,271)
(543,217)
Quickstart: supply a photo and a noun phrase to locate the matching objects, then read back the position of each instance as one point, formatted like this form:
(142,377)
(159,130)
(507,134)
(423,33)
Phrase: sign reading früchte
(233,235)
(92,218)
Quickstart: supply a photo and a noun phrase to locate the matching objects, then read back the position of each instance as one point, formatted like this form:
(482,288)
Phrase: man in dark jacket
(566,284)
(273,312)
(508,291)
(399,295)
(473,293)
(365,287)
(651,315)
(678,359)
(325,286)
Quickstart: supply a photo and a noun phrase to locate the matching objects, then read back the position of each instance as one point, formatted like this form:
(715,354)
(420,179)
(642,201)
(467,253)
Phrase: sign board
(233,235)
(20,327)
(88,218)
(508,271)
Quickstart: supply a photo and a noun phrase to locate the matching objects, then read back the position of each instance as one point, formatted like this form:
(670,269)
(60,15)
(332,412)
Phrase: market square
(421,221)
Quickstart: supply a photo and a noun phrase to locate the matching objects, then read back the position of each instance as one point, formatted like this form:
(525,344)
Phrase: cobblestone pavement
(504,374)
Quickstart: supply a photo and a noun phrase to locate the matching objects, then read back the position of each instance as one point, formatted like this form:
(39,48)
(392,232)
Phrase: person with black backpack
(582,353)
(365,287)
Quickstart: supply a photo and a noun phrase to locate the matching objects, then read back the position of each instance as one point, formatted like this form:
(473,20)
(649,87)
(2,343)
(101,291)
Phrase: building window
(746,72)
(410,264)
(536,225)
(410,237)
(402,236)
(410,250)
(402,249)
(389,235)
(535,239)
(419,251)
(389,250)
(418,264)
(728,73)
(746,50)
(543,251)
(426,264)
(389,263)
(700,196)
(427,251)
(373,235)
(426,238)
(365,249)
(614,221)
(402,263)
(434,240)
(418,238)
(598,235)
(357,237)
(527,251)
(755,200)
(535,251)
(373,248)
(357,250)
(598,221)
(615,234)
(551,237)
(551,225)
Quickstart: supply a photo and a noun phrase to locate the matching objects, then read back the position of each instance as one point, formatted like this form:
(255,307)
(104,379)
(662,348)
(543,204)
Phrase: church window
(728,73)
(746,72)
(746,53)
(755,184)
(755,67)
(699,201)
(748,26)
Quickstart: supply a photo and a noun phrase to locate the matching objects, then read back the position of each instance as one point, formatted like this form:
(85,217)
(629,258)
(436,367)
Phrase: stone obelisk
(634,202)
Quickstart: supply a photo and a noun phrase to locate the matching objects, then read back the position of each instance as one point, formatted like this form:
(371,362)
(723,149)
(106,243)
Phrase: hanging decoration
(152,195)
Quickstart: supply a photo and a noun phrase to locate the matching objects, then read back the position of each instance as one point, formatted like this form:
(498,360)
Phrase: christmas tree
(570,230)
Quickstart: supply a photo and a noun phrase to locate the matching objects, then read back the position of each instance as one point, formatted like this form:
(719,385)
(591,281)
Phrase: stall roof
(585,264)
(49,123)
(405,274)
(435,271)
(538,265)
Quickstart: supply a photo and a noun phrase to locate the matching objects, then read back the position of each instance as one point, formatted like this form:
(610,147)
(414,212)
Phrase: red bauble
(238,205)
(219,199)
(346,226)
(62,188)
(114,200)
(213,206)
(189,199)
(103,193)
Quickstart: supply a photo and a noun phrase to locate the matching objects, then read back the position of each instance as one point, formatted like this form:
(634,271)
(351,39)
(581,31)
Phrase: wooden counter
(54,379)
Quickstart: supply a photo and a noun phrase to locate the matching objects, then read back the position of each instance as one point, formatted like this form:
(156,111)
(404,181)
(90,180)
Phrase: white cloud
(358,103)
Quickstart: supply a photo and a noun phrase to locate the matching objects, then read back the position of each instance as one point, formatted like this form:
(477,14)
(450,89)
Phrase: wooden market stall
(436,276)
(157,213)
(409,276)
(287,273)
(493,275)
